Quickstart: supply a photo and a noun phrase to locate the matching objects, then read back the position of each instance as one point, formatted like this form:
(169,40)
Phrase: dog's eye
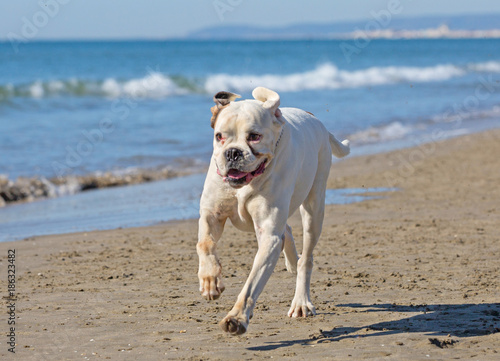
(254,137)
(218,137)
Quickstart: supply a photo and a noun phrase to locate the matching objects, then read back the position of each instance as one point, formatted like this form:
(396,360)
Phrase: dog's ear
(271,101)
(221,100)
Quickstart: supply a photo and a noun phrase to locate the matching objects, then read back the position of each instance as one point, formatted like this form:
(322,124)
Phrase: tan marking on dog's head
(221,100)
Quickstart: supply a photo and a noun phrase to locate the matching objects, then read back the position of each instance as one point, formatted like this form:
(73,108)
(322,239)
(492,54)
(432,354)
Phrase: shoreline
(39,188)
(176,198)
(29,189)
(411,275)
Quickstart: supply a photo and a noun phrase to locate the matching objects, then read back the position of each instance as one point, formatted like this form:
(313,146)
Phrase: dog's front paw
(301,308)
(234,325)
(211,287)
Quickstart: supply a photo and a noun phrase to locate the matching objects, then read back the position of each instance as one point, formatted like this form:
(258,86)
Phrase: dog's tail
(339,149)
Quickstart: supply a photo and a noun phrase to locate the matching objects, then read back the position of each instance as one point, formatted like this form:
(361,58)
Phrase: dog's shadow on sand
(464,320)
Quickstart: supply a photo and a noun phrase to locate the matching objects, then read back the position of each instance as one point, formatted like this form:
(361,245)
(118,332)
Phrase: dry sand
(411,276)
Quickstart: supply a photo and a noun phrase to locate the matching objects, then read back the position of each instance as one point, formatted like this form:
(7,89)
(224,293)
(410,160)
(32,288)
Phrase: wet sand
(411,276)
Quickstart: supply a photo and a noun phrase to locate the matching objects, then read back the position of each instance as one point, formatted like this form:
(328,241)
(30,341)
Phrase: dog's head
(245,134)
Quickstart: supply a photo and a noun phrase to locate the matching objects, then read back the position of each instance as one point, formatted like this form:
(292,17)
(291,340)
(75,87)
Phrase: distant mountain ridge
(471,23)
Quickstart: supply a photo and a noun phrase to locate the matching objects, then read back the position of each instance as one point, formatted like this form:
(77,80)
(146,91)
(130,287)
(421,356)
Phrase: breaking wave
(398,130)
(154,85)
(328,76)
(325,76)
(29,189)
(391,131)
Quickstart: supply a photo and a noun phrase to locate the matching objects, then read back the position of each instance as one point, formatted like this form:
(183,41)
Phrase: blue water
(79,107)
(87,107)
(132,206)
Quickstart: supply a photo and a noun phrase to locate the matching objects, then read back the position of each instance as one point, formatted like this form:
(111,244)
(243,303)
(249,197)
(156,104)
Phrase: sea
(71,108)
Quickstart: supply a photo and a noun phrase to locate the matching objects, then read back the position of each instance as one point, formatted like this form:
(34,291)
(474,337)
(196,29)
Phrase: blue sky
(103,19)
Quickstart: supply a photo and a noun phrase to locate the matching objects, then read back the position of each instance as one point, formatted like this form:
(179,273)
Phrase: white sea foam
(55,86)
(461,115)
(71,186)
(488,67)
(391,131)
(111,87)
(155,85)
(36,90)
(328,76)
(396,130)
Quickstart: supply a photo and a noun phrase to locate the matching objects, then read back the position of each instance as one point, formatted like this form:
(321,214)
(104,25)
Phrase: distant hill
(471,23)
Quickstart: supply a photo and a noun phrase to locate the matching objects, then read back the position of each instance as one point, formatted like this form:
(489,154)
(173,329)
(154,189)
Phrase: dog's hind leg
(301,304)
(312,212)
(289,251)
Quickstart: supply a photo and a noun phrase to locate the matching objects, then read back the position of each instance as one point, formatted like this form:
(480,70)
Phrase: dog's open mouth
(237,177)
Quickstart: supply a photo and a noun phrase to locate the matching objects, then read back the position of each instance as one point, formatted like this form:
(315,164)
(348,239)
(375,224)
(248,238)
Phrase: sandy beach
(413,275)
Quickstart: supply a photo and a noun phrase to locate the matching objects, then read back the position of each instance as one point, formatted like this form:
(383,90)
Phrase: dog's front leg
(210,270)
(270,245)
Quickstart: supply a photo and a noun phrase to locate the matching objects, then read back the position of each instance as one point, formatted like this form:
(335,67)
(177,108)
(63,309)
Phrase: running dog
(267,162)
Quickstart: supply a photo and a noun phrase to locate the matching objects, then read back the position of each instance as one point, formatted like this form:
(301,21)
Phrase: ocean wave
(28,189)
(391,131)
(326,76)
(453,116)
(487,67)
(154,86)
(329,76)
(397,130)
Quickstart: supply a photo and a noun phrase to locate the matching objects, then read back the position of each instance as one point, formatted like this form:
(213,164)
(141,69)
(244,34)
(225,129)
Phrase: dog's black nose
(233,154)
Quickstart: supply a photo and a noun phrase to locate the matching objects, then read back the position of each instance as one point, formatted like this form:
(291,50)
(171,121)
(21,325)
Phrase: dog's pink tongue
(236,174)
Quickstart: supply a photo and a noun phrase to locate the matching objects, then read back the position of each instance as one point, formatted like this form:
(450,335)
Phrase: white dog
(266,163)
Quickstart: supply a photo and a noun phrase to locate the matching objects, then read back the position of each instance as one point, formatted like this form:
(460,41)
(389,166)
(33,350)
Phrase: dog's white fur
(297,149)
